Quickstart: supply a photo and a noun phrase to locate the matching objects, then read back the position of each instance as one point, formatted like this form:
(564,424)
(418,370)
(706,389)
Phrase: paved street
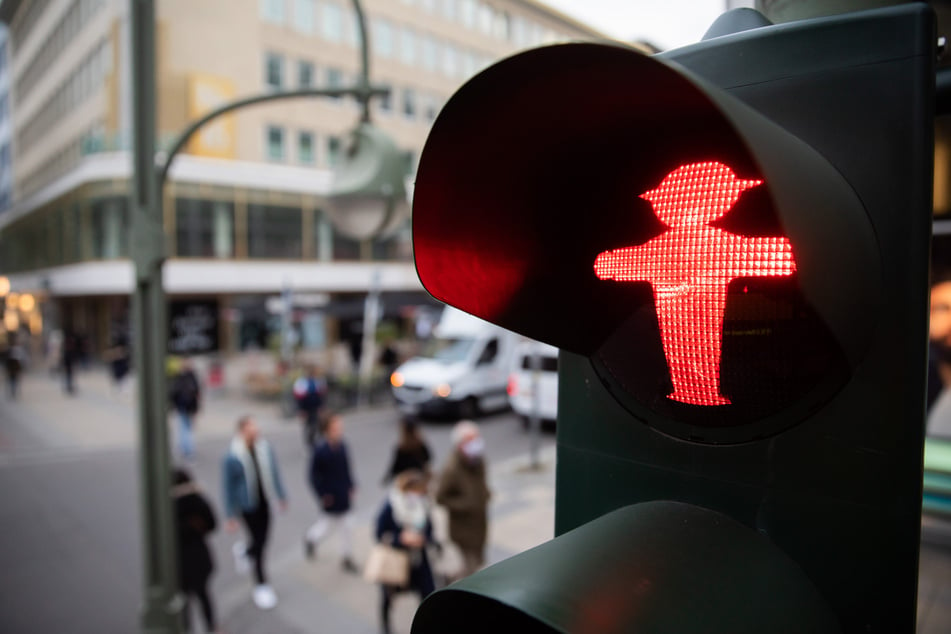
(70,516)
(69,480)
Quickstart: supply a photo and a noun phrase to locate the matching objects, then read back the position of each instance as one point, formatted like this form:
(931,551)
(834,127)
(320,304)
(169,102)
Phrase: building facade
(243,209)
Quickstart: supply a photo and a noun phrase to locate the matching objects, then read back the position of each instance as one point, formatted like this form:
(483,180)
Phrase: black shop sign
(192,326)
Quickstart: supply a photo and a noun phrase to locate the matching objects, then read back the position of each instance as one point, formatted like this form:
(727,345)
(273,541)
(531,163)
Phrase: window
(273,71)
(274,232)
(305,74)
(490,352)
(305,147)
(450,65)
(467,11)
(429,52)
(519,32)
(334,78)
(502,26)
(467,64)
(272,11)
(204,228)
(430,108)
(332,22)
(345,248)
(275,143)
(386,102)
(383,44)
(408,47)
(485,17)
(110,227)
(409,103)
(333,151)
(304,14)
(449,9)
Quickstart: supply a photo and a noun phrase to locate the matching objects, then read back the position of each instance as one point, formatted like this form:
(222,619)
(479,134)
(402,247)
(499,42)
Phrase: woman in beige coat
(464,493)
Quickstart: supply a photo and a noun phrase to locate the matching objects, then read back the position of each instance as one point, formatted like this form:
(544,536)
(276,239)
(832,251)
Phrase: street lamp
(368,195)
(368,185)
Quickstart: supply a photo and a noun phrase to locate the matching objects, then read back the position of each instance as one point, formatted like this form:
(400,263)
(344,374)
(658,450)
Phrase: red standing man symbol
(690,267)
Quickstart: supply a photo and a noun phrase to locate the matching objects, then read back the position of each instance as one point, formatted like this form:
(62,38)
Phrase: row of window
(86,80)
(61,161)
(421,50)
(333,21)
(26,21)
(70,25)
(275,139)
(329,19)
(413,104)
(99,230)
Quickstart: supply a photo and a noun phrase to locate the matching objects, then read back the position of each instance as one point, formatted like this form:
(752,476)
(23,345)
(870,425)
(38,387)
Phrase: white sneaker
(242,563)
(264,597)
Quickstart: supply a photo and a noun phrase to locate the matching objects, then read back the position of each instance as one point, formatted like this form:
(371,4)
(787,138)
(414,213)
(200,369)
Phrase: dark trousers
(311,420)
(258,522)
(200,592)
(68,377)
(420,581)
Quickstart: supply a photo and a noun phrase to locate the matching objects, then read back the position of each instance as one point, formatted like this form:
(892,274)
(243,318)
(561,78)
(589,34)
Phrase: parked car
(524,384)
(462,371)
(936,499)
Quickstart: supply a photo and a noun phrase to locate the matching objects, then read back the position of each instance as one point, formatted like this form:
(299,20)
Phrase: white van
(523,383)
(463,370)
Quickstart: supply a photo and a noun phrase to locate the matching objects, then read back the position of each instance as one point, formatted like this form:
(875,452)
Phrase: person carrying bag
(403,524)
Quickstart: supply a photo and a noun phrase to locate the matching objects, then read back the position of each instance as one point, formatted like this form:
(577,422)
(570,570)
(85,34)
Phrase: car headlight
(442,390)
(397,380)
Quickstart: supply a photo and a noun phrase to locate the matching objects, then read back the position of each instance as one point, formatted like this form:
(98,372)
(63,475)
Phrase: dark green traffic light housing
(729,242)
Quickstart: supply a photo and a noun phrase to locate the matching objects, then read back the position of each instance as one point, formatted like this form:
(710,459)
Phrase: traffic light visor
(653,567)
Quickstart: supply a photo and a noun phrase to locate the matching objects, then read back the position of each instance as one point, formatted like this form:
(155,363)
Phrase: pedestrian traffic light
(729,243)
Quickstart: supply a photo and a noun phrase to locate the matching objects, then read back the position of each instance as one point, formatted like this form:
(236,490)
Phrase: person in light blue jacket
(252,481)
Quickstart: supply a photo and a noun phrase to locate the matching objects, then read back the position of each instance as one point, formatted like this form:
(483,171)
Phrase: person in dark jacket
(310,391)
(334,487)
(411,452)
(404,522)
(186,399)
(195,520)
(120,360)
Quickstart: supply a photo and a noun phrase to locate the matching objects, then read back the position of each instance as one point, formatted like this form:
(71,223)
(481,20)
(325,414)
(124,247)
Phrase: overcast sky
(665,23)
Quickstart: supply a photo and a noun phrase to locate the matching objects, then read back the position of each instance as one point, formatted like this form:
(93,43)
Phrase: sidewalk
(45,424)
(109,415)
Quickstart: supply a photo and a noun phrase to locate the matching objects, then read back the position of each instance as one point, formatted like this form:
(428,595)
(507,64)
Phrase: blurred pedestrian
(70,354)
(14,362)
(938,422)
(119,357)
(252,481)
(404,522)
(389,358)
(310,392)
(411,451)
(195,520)
(334,486)
(463,491)
(186,399)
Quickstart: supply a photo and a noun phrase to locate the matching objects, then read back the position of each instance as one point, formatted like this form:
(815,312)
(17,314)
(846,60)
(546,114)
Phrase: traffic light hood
(638,569)
(540,163)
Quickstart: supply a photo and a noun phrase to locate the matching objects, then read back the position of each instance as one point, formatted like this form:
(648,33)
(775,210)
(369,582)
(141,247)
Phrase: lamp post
(162,610)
